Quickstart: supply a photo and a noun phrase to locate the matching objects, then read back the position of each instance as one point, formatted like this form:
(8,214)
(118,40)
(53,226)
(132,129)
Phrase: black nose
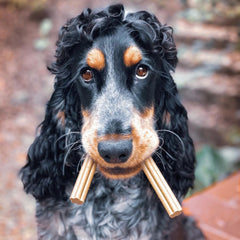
(115,151)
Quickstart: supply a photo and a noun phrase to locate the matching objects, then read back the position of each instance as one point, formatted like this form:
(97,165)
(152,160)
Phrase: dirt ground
(25,86)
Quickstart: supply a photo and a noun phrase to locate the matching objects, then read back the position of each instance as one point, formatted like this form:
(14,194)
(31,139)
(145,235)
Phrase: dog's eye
(87,74)
(142,72)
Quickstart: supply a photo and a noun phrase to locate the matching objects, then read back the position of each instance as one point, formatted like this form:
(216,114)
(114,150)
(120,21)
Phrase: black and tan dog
(115,100)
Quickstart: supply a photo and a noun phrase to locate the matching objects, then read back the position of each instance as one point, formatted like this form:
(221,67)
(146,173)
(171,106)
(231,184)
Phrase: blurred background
(207,35)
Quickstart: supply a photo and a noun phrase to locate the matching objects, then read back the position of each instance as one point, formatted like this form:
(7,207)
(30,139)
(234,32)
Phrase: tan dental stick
(152,172)
(83,182)
(161,188)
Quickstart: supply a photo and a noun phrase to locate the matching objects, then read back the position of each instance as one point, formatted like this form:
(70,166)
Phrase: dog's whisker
(159,156)
(81,161)
(161,139)
(67,134)
(173,158)
(74,143)
(160,148)
(79,147)
(67,154)
(176,135)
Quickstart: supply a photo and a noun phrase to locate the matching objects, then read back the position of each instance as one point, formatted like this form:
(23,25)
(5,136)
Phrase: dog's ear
(47,168)
(46,171)
(176,155)
(40,174)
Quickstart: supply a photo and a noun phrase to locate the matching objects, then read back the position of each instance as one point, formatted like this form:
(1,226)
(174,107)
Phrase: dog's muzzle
(119,147)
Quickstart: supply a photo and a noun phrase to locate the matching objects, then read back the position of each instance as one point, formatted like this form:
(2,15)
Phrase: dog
(115,100)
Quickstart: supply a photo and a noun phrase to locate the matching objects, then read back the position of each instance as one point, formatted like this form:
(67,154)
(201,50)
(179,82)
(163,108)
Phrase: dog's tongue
(152,172)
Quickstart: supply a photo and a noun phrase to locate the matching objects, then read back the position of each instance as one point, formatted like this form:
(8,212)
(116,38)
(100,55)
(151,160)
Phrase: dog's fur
(113,85)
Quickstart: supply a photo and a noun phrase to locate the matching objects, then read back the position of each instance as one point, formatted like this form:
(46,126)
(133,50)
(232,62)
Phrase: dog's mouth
(119,172)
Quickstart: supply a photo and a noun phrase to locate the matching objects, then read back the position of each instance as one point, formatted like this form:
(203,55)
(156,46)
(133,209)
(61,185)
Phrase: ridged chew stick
(152,172)
(161,188)
(83,181)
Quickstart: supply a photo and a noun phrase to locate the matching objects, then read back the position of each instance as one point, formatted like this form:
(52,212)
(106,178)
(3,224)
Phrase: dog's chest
(116,212)
(118,221)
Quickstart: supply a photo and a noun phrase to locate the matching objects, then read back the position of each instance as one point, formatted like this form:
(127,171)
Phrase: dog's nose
(115,151)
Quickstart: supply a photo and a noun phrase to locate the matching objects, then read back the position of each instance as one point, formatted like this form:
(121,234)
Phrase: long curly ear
(41,170)
(47,169)
(176,155)
(176,151)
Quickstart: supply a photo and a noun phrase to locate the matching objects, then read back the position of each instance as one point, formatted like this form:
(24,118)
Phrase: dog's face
(114,99)
(116,85)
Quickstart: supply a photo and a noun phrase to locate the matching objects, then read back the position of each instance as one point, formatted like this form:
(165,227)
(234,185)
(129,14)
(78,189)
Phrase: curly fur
(115,209)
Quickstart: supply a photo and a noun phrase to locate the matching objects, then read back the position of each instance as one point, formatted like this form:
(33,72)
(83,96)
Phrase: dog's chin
(120,173)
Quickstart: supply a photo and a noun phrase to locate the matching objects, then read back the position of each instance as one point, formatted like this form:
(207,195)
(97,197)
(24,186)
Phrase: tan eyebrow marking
(132,56)
(96,59)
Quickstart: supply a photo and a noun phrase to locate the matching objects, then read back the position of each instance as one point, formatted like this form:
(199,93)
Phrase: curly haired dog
(115,100)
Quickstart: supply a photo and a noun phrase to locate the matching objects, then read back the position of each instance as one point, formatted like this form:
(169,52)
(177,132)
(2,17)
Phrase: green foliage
(211,167)
(45,27)
(233,136)
(42,42)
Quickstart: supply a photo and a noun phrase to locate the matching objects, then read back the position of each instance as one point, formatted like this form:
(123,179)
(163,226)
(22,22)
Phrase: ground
(208,78)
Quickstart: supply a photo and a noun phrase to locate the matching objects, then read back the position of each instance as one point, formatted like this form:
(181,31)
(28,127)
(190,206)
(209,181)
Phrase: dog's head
(115,100)
(117,62)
